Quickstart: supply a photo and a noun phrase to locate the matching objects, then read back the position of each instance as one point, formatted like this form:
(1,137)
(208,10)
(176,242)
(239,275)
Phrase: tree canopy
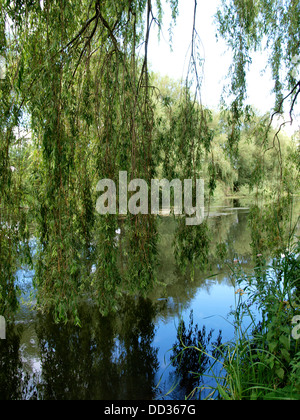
(77,78)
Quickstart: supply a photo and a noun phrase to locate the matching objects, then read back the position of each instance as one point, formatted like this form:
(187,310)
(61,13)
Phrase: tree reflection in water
(112,358)
(191,364)
(10,366)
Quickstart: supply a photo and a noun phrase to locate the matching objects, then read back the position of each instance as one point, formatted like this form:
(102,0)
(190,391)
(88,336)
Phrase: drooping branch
(86,45)
(80,33)
(110,31)
(296,89)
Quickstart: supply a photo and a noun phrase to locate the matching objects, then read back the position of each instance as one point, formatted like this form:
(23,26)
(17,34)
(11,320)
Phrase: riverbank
(262,362)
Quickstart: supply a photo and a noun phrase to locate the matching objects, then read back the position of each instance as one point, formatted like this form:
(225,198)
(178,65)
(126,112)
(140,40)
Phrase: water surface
(127,355)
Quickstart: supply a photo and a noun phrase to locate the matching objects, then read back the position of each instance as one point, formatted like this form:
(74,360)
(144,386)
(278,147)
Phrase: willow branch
(81,32)
(85,46)
(110,31)
(295,88)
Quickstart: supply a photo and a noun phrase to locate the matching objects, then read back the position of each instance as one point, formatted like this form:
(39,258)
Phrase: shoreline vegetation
(262,361)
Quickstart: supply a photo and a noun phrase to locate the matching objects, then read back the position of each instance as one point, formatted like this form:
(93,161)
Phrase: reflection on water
(190,364)
(128,355)
(110,358)
(10,366)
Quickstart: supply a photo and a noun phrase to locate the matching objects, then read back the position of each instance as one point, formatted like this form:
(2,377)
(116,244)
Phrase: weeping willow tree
(12,219)
(79,72)
(98,120)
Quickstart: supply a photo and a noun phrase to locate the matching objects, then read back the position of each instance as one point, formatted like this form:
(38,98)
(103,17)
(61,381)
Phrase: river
(128,355)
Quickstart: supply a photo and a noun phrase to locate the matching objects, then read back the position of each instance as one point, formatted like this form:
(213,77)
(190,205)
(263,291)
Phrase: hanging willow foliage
(13,228)
(97,121)
(77,69)
(269,26)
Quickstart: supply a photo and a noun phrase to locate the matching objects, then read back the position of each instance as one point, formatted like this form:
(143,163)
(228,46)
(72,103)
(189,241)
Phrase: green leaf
(286,355)
(284,341)
(280,373)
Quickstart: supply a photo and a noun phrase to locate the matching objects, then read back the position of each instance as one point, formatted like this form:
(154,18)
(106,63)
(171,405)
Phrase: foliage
(271,231)
(74,71)
(192,247)
(270,26)
(77,81)
(262,362)
(266,359)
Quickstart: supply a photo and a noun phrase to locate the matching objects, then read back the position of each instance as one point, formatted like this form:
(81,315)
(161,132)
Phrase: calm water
(125,356)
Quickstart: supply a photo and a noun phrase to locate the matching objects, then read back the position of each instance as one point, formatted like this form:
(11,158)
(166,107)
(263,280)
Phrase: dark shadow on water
(192,357)
(112,358)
